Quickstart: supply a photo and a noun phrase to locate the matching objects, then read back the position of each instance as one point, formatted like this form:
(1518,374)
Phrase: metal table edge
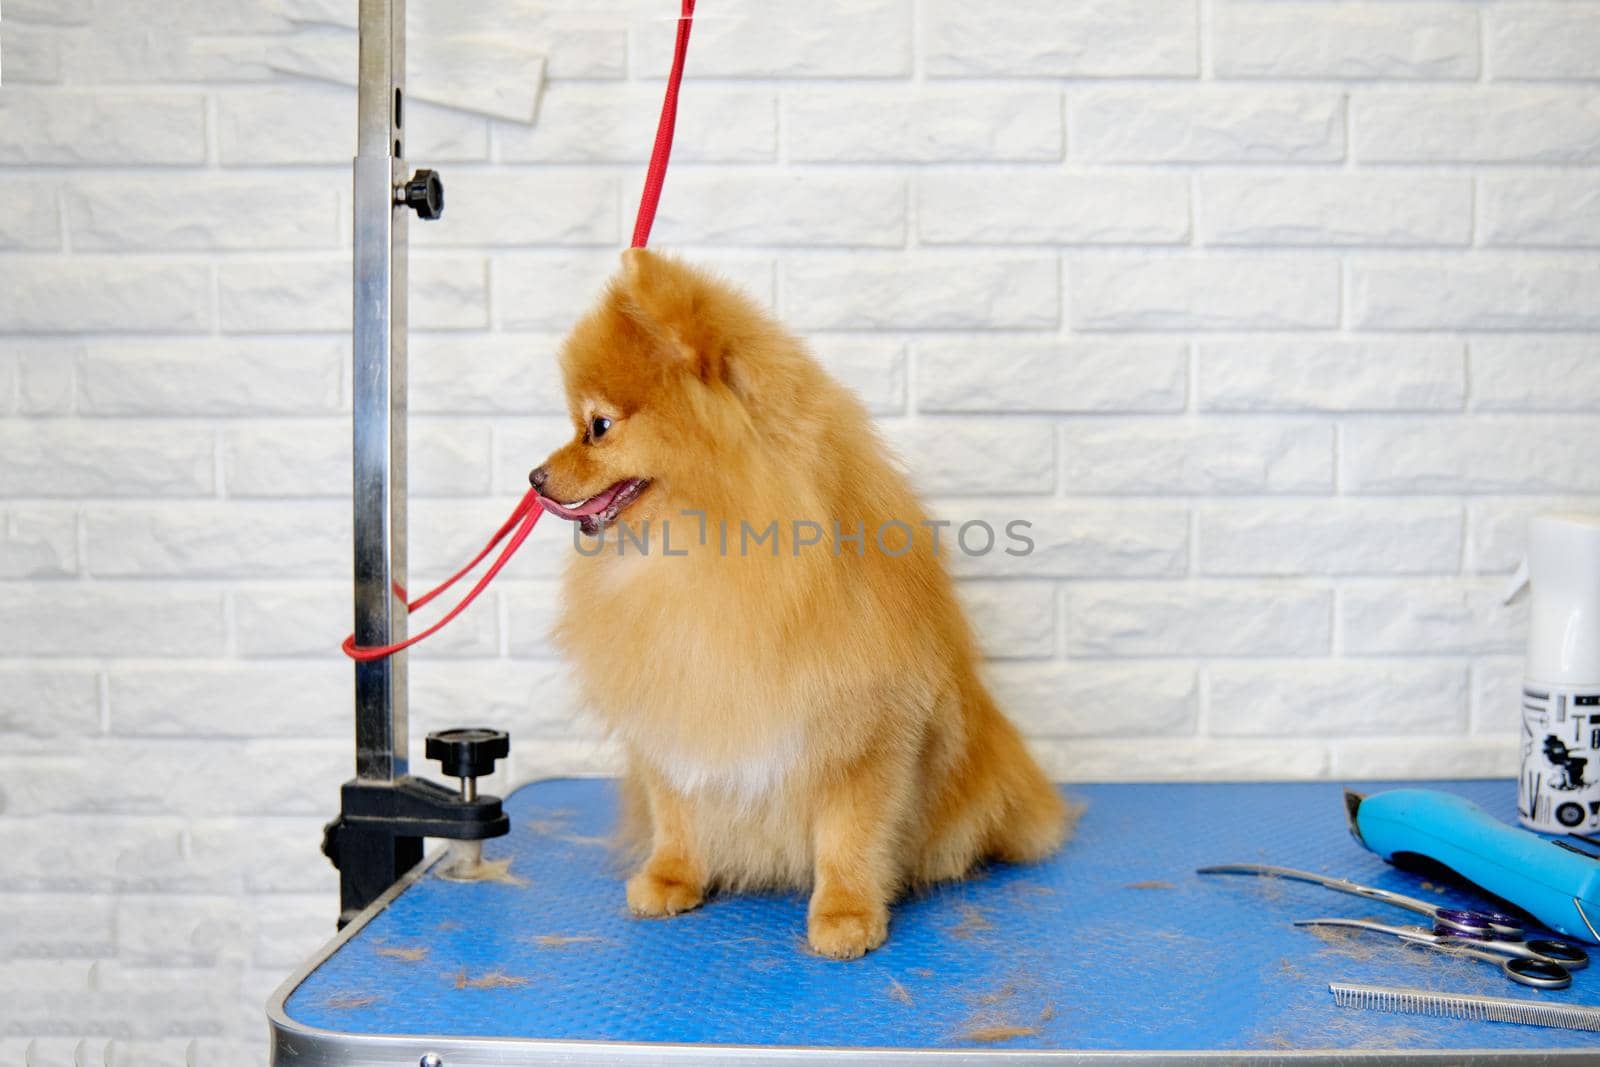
(295,1044)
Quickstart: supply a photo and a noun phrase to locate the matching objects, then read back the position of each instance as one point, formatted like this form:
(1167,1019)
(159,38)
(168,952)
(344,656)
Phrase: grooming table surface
(1115,945)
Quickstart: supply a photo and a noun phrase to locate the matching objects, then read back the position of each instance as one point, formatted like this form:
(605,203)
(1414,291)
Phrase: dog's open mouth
(601,509)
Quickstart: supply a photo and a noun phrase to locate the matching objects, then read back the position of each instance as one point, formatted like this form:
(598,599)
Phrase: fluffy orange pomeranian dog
(794,688)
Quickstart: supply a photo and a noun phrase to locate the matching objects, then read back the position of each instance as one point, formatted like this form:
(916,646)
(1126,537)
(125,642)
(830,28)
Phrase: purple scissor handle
(1568,955)
(1463,920)
(1470,923)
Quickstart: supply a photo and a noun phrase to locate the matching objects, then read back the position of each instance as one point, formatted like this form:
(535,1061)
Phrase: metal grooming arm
(380,391)
(385,812)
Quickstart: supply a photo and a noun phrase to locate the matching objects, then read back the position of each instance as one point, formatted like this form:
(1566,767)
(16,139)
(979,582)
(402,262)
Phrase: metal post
(385,813)
(380,391)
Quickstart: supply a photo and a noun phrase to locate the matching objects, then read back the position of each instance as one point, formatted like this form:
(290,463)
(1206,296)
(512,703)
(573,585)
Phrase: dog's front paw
(653,893)
(847,933)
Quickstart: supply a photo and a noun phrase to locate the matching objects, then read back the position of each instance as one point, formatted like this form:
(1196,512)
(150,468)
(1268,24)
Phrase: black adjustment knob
(424,194)
(468,753)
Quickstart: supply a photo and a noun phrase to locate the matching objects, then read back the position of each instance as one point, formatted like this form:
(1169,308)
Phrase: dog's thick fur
(808,718)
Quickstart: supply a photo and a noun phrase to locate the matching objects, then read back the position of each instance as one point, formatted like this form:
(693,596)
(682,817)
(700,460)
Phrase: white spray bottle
(1559,787)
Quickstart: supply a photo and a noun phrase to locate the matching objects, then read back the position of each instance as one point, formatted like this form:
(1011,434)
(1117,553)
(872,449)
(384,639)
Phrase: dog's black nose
(537,477)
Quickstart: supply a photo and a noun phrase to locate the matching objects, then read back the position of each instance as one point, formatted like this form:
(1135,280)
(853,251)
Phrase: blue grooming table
(1115,950)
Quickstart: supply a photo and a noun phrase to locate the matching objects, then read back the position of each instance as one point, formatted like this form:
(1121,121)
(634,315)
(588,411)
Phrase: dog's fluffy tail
(1032,820)
(994,802)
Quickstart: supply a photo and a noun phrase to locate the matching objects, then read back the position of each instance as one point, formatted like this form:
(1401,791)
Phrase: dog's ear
(674,304)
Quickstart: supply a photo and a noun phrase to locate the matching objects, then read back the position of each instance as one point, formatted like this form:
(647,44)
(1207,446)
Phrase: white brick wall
(1276,318)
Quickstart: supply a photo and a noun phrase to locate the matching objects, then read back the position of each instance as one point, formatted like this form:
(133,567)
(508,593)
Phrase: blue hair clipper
(1557,885)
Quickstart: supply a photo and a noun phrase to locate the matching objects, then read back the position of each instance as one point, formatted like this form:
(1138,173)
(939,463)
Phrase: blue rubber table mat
(1114,945)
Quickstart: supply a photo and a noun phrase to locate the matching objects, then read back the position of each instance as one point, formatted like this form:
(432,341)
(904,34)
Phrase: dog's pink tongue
(593,506)
(589,507)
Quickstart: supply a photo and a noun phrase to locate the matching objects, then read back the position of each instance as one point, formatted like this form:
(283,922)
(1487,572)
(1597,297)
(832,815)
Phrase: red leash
(522,519)
(657,173)
(527,512)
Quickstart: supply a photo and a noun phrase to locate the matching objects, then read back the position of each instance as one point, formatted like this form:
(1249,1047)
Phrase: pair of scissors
(1524,962)
(1467,921)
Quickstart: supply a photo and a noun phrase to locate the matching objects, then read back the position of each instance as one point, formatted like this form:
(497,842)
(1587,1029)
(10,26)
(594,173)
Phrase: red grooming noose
(669,118)
(527,511)
(523,518)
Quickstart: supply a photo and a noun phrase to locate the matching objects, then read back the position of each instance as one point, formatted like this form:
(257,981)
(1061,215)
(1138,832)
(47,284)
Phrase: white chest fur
(746,778)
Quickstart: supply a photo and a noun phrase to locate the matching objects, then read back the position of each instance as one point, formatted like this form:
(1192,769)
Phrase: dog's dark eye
(598,428)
